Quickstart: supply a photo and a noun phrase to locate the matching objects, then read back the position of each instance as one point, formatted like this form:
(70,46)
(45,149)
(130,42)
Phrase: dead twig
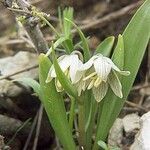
(94,23)
(30,25)
(112,16)
(31,132)
(40,114)
(137,106)
(18,72)
(8,126)
(138,87)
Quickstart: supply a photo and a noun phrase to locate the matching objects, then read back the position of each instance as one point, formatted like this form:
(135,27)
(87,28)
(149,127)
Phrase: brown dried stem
(30,25)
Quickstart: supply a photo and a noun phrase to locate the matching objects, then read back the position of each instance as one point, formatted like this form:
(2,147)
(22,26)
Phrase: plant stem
(64,44)
(100,107)
(47,22)
(72,110)
(91,120)
(81,122)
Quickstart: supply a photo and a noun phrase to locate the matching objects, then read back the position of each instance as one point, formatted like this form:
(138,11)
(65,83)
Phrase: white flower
(69,64)
(100,72)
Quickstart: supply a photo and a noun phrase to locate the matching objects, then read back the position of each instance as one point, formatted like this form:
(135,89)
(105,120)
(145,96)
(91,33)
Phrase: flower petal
(114,67)
(109,61)
(80,86)
(100,92)
(65,62)
(115,84)
(102,68)
(88,64)
(79,54)
(63,65)
(59,87)
(125,73)
(61,58)
(75,75)
(52,72)
(48,79)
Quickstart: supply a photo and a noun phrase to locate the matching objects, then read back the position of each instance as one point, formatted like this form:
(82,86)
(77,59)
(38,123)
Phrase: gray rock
(116,133)
(131,122)
(10,65)
(142,139)
(1,142)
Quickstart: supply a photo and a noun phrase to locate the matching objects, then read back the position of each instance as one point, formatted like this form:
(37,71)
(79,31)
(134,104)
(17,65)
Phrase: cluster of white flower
(96,74)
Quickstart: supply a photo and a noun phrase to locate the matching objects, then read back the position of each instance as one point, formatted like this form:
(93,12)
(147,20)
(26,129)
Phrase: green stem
(100,107)
(72,111)
(64,44)
(81,122)
(47,22)
(89,131)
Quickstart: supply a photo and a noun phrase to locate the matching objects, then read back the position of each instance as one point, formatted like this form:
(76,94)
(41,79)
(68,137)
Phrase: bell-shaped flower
(69,64)
(100,72)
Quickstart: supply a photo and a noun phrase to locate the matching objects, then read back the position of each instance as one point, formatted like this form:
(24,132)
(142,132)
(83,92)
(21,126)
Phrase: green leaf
(115,148)
(32,83)
(69,45)
(105,47)
(54,105)
(84,41)
(102,145)
(118,55)
(90,113)
(63,79)
(60,18)
(136,37)
(67,13)
(56,44)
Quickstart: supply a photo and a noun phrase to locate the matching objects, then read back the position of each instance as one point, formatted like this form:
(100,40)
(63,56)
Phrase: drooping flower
(69,64)
(100,73)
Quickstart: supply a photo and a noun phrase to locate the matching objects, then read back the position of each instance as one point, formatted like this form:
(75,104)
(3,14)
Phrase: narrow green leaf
(67,13)
(90,115)
(105,47)
(69,45)
(118,59)
(54,105)
(118,55)
(60,18)
(102,145)
(65,82)
(68,50)
(136,37)
(91,112)
(84,41)
(56,44)
(32,83)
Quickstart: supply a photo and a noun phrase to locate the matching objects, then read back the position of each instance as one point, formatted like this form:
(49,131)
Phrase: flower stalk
(72,113)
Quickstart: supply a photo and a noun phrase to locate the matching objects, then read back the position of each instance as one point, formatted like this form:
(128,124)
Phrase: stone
(10,65)
(142,139)
(131,122)
(116,133)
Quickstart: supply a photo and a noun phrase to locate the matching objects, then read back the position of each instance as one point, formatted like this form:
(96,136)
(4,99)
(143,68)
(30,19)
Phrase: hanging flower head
(69,64)
(101,72)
